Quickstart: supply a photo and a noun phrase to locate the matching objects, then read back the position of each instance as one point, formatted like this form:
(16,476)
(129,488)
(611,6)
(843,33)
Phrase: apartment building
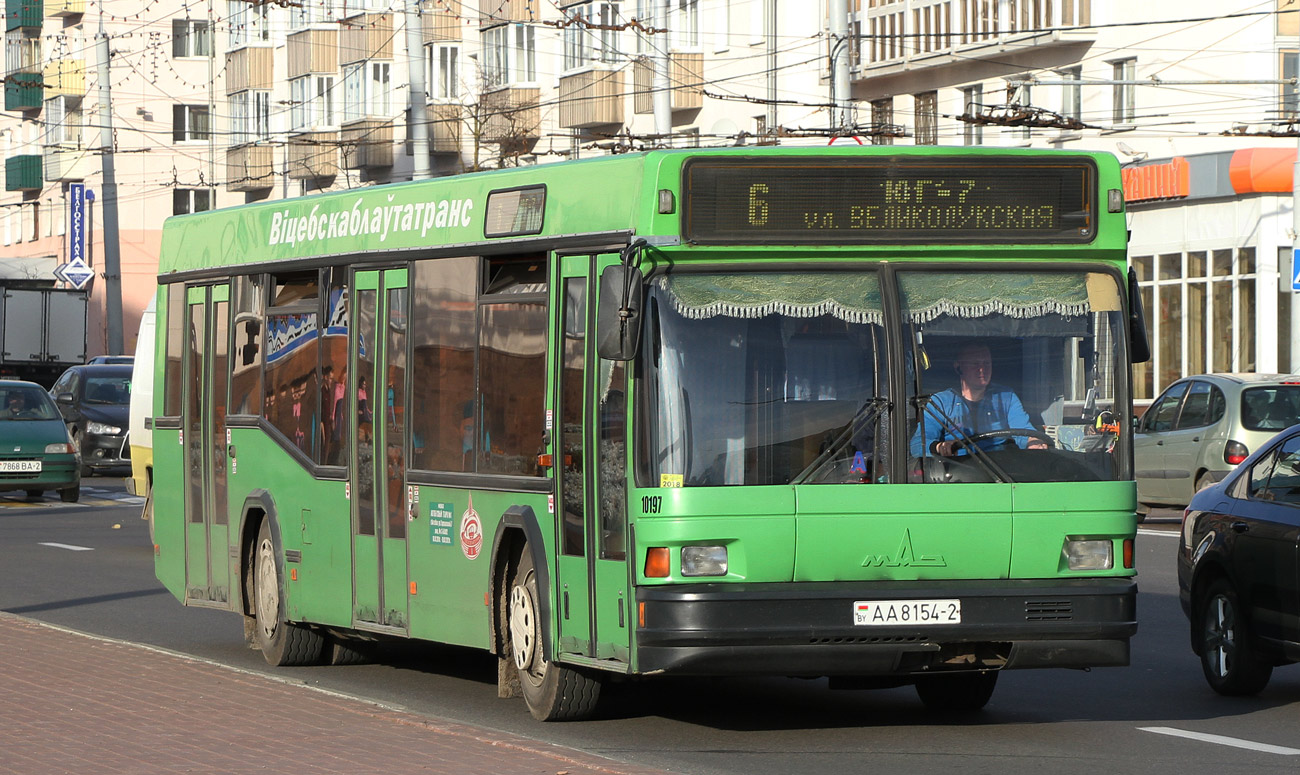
(221,102)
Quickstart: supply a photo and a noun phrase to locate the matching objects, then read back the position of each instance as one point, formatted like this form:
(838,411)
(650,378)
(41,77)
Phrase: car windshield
(779,378)
(108,390)
(27,404)
(1270,408)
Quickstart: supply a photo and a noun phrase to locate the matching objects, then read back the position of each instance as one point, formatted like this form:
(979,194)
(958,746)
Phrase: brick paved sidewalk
(72,703)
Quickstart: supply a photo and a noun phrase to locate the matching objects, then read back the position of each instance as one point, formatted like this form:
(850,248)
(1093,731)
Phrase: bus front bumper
(807,629)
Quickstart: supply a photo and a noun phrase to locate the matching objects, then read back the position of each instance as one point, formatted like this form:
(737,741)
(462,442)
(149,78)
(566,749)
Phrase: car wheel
(281,643)
(1143,509)
(35,493)
(1231,665)
(76,443)
(956,692)
(1203,482)
(70,494)
(552,692)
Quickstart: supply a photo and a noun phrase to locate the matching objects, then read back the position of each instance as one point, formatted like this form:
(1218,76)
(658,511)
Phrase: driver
(978,406)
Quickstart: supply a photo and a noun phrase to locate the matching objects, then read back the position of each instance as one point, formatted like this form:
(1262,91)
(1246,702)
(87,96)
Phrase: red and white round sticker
(471,532)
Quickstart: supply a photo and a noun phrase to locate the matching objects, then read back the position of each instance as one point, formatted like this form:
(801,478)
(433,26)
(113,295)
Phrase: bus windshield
(783,378)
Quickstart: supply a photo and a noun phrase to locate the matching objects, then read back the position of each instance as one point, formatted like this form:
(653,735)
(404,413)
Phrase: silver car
(1201,427)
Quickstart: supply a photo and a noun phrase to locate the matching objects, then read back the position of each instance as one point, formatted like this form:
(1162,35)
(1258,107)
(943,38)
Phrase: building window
(684,23)
(927,118)
(63,122)
(191,38)
(191,122)
(248,22)
(882,121)
(1290,91)
(442,70)
(1125,104)
(250,117)
(972,98)
(367,90)
(593,36)
(1072,93)
(313,12)
(191,200)
(22,50)
(312,98)
(510,55)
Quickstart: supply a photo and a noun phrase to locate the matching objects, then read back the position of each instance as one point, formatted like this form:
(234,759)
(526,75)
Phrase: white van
(140,426)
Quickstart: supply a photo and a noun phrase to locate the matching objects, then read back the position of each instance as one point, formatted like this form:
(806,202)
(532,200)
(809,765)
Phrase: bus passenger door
(378,489)
(590,453)
(207,531)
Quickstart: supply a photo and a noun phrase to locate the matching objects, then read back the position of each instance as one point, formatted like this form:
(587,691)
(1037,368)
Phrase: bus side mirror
(1137,322)
(618,319)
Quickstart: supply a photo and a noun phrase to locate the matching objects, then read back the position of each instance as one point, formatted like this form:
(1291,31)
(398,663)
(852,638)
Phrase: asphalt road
(89,567)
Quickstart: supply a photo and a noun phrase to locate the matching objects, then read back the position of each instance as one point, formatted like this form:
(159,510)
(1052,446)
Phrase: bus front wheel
(553,692)
(956,692)
(282,643)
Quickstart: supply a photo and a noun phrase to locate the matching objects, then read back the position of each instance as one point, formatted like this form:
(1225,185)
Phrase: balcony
(442,20)
(508,11)
(368,36)
(65,7)
(445,122)
(511,115)
(250,167)
(65,78)
(24,91)
(64,162)
(591,98)
(23,173)
(312,51)
(249,68)
(685,77)
(24,13)
(902,35)
(313,155)
(367,143)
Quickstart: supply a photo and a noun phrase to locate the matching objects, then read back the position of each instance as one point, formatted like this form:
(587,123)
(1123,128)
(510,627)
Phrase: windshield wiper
(867,414)
(974,451)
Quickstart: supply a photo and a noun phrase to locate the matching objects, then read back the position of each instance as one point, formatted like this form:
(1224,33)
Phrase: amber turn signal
(656,562)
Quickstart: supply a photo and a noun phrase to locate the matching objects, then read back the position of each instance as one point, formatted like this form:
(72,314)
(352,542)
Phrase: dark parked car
(1238,571)
(35,452)
(95,403)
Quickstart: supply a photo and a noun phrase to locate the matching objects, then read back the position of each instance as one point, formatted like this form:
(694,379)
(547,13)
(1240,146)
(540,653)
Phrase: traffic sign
(1295,269)
(75,273)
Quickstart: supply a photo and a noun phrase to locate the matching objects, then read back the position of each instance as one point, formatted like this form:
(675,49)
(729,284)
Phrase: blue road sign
(77,223)
(75,274)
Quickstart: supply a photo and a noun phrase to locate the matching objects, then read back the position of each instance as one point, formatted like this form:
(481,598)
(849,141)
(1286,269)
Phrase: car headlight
(101,429)
(704,560)
(1089,554)
(58,449)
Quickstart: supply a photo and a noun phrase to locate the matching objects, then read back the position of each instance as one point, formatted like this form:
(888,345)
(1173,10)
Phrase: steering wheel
(1010,433)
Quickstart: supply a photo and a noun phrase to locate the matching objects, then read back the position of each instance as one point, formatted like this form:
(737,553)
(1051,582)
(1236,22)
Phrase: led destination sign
(888,199)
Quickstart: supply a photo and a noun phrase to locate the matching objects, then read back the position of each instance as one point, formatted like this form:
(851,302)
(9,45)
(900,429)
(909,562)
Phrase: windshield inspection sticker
(670,480)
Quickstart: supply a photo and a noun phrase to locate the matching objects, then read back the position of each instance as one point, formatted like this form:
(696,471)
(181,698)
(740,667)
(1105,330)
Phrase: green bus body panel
(1045,515)
(169,504)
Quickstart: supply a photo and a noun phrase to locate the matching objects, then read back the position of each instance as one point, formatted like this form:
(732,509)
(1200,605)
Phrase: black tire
(147,513)
(552,692)
(956,692)
(76,443)
(1204,481)
(1230,663)
(348,651)
(33,494)
(281,643)
(73,494)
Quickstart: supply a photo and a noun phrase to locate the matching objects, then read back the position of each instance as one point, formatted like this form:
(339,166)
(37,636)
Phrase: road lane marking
(1146,531)
(1221,740)
(69,547)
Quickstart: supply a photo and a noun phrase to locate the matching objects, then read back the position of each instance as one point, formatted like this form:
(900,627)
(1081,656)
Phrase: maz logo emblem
(905,557)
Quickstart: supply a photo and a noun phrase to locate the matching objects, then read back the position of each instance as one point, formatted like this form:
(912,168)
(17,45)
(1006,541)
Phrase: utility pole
(840,42)
(112,244)
(769,37)
(419,106)
(663,97)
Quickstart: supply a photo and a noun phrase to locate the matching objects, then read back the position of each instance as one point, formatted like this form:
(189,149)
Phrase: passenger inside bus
(976,407)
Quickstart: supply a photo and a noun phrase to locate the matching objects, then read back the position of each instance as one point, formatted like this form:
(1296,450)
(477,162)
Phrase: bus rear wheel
(553,692)
(282,643)
(956,692)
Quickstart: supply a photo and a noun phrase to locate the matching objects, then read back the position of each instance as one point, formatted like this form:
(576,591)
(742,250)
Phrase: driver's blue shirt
(998,410)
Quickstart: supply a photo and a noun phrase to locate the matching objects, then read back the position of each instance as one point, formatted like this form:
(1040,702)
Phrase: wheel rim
(1220,641)
(268,589)
(523,622)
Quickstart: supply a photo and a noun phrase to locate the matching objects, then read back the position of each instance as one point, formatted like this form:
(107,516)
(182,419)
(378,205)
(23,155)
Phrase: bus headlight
(1084,554)
(704,560)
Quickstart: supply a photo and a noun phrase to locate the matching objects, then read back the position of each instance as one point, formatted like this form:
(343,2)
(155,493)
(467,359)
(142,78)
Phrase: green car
(35,452)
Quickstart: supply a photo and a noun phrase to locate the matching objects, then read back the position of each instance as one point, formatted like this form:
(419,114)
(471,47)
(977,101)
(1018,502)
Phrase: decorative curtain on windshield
(853,298)
(1014,294)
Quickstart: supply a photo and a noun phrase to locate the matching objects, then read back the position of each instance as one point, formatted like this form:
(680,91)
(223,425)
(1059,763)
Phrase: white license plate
(20,466)
(905,612)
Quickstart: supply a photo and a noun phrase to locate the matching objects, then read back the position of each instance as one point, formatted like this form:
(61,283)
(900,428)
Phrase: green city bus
(693,412)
